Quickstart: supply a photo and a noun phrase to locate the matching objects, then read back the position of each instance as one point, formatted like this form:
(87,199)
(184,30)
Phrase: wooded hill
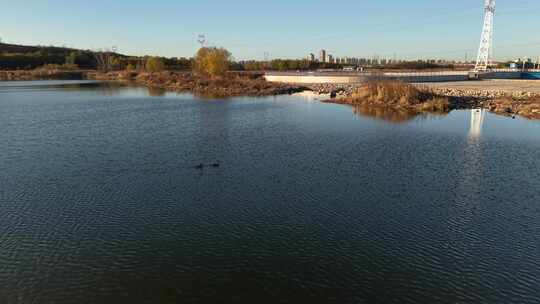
(14,56)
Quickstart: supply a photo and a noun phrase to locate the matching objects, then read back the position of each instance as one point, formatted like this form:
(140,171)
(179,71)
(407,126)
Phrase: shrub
(154,64)
(212,61)
(71,58)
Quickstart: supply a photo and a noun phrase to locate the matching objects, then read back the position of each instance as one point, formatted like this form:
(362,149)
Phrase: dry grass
(529,108)
(397,94)
(220,86)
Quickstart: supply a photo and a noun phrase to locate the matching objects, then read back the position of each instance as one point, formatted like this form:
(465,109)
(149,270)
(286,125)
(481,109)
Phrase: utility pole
(202,40)
(266,62)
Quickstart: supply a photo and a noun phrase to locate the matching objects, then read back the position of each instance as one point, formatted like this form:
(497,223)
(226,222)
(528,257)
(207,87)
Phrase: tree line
(13,57)
(16,57)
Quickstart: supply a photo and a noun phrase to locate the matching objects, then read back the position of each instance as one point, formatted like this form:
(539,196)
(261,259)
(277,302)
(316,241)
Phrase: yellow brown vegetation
(397,94)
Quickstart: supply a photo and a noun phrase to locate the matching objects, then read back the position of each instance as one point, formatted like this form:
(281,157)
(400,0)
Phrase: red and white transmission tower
(485,51)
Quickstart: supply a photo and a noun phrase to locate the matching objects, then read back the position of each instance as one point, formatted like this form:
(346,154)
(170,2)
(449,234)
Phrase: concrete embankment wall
(531,75)
(431,78)
(502,75)
(411,77)
(337,78)
(307,79)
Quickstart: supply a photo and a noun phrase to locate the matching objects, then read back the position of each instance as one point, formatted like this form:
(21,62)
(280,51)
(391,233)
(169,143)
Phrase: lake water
(101,201)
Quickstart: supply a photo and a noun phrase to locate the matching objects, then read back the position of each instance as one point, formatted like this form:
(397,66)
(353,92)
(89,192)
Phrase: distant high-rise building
(311,57)
(322,56)
(330,58)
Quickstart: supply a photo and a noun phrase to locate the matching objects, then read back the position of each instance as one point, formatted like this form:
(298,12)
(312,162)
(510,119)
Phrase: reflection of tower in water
(477,120)
(468,194)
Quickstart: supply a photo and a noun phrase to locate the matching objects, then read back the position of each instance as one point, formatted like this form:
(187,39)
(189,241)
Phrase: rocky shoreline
(348,89)
(523,103)
(526,104)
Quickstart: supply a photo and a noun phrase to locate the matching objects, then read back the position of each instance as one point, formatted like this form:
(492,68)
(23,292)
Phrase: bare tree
(105,58)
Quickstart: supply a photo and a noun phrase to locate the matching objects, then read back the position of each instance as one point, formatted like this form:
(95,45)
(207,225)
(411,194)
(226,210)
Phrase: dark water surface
(100,201)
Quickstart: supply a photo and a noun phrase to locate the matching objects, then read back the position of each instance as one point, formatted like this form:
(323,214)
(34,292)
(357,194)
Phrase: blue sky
(284,29)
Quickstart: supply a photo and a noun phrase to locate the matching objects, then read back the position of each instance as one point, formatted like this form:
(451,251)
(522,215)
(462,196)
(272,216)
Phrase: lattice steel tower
(485,51)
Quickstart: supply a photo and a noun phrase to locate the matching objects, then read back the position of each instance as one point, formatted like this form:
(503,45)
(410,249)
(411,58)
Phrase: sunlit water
(101,201)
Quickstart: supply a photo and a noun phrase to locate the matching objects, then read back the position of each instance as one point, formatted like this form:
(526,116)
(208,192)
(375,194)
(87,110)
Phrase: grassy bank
(396,95)
(42,74)
(231,84)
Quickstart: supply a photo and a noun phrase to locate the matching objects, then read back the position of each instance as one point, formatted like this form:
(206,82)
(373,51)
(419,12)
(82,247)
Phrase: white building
(322,56)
